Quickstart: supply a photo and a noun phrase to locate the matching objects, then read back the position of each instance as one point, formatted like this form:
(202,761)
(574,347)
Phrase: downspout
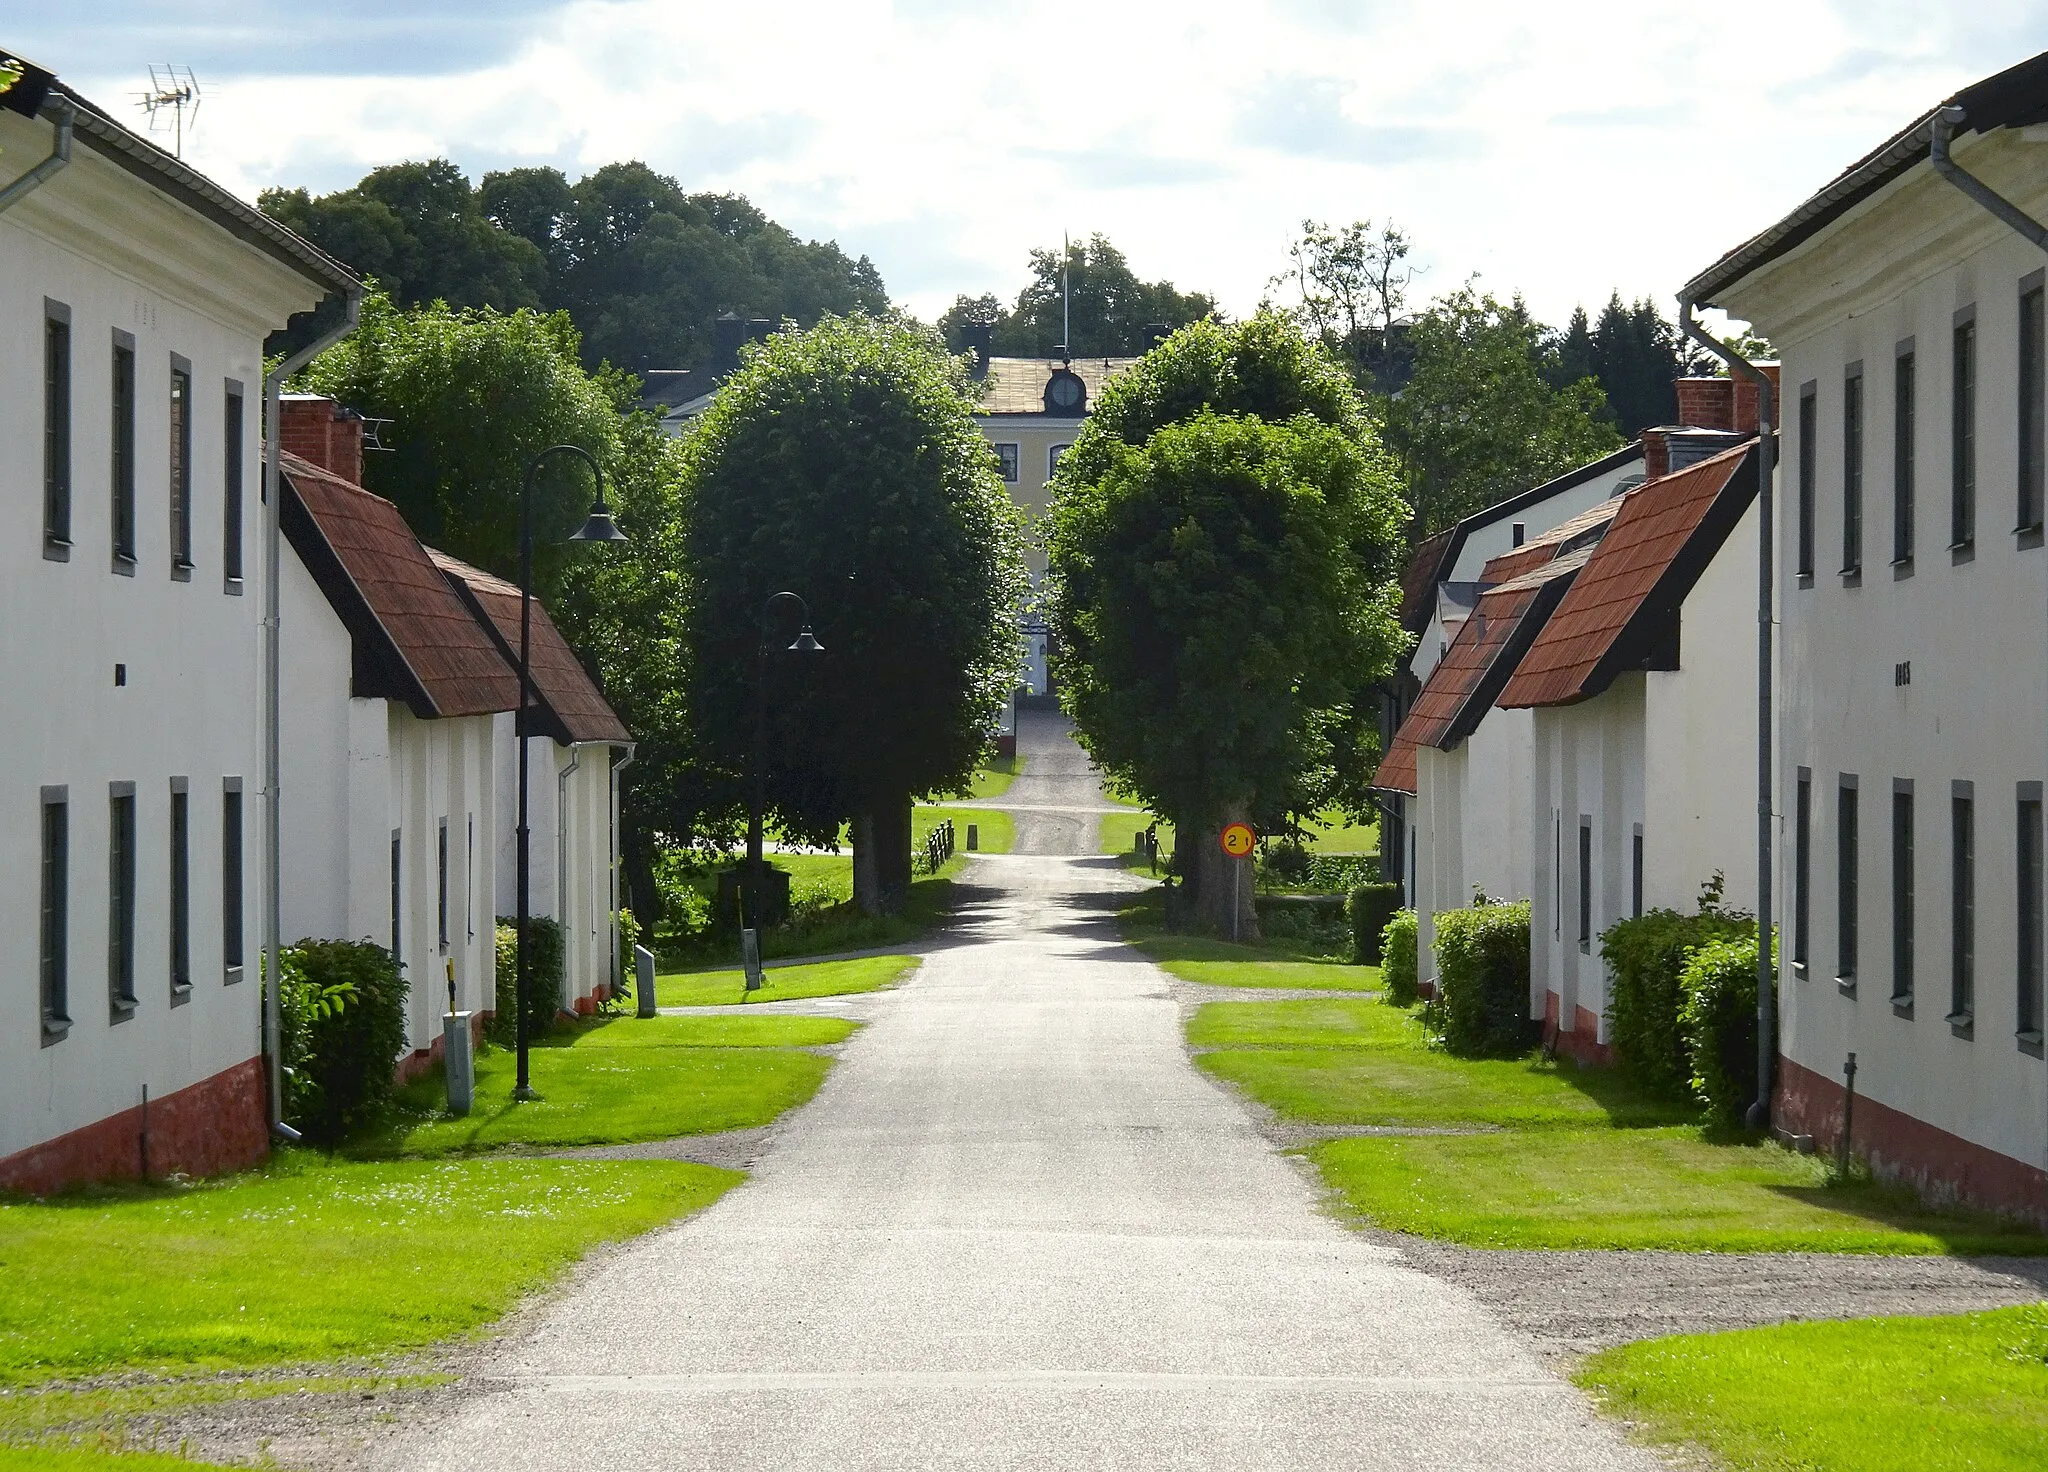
(273,863)
(1759,1116)
(562,777)
(60,155)
(618,863)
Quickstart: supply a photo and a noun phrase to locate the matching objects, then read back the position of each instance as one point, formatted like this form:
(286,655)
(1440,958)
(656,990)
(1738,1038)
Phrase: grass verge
(1967,1393)
(783,983)
(995,831)
(1339,836)
(995,775)
(1118,830)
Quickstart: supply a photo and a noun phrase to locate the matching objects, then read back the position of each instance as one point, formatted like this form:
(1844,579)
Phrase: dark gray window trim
(1963,547)
(181,991)
(2029,1040)
(124,562)
(1852,550)
(233,973)
(1963,1023)
(1848,885)
(231,583)
(1902,556)
(1806,491)
(1802,872)
(58,548)
(1906,939)
(1585,877)
(181,567)
(2029,534)
(122,1004)
(57,1026)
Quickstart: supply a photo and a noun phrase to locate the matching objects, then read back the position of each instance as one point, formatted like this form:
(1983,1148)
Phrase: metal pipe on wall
(62,118)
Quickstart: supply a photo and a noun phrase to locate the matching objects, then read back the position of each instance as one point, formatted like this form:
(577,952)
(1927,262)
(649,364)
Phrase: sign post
(1237,840)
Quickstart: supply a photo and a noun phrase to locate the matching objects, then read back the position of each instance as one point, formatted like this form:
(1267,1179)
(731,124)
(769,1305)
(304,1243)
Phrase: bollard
(459,1063)
(750,958)
(643,981)
(1848,1115)
(973,837)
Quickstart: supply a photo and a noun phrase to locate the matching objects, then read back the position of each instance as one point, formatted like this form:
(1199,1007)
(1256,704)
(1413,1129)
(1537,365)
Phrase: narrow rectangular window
(397,900)
(2031,374)
(1962,527)
(122,448)
(1802,867)
(469,881)
(56,911)
(1635,886)
(1963,905)
(1852,471)
(1809,431)
(441,903)
(181,887)
(1556,875)
(2028,910)
(1846,896)
(181,466)
(231,485)
(1902,893)
(1904,403)
(1585,884)
(121,898)
(56,428)
(231,919)
(1006,456)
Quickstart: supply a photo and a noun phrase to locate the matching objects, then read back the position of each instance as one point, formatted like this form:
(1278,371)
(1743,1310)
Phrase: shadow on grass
(1961,1231)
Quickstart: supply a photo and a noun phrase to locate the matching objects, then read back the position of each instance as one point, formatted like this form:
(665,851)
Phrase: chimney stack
(1155,334)
(1721,403)
(316,428)
(728,333)
(978,338)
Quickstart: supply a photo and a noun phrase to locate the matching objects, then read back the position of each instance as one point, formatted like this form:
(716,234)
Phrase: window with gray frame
(1852,470)
(1635,871)
(231,487)
(181,887)
(1809,431)
(56,429)
(1585,883)
(231,878)
(1802,867)
(441,882)
(1962,515)
(180,466)
(1902,892)
(56,912)
(1006,454)
(1962,904)
(121,435)
(121,898)
(1847,899)
(2031,375)
(2027,870)
(1905,405)
(397,901)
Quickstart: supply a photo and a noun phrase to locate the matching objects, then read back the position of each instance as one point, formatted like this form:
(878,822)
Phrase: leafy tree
(1111,307)
(1477,421)
(1351,293)
(1633,353)
(1223,548)
(843,464)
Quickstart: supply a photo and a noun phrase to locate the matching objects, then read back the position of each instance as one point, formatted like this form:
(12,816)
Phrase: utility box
(459,1061)
(750,958)
(643,981)
(973,837)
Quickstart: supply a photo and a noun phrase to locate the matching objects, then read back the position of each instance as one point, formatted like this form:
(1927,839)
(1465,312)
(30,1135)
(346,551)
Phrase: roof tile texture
(1017,385)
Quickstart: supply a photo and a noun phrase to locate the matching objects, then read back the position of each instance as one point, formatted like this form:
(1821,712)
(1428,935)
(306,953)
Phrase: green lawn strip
(1335,1022)
(1337,836)
(1967,1393)
(783,983)
(623,1079)
(1333,976)
(995,832)
(1117,830)
(309,1260)
(77,1410)
(994,776)
(1140,926)
(1634,1189)
(86,1458)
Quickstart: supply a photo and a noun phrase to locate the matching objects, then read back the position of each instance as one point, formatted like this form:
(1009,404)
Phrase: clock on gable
(1065,394)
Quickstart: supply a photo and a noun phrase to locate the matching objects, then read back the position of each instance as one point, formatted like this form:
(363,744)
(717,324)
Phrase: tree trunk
(881,857)
(643,894)
(1223,886)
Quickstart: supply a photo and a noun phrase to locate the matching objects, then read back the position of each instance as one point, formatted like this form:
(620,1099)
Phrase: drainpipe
(60,155)
(273,864)
(1759,1116)
(618,862)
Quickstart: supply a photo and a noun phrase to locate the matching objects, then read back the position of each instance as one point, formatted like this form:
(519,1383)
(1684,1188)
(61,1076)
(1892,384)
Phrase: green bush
(1370,907)
(1719,1022)
(544,962)
(1397,959)
(1283,866)
(342,1013)
(1645,957)
(1481,1009)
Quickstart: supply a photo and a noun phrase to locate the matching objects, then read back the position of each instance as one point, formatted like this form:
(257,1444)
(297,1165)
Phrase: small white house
(390,701)
(573,757)
(135,297)
(1907,307)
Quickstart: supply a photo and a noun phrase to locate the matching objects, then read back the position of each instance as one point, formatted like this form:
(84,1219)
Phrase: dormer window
(1065,394)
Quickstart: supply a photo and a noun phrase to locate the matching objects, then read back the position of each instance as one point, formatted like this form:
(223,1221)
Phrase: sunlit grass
(782,983)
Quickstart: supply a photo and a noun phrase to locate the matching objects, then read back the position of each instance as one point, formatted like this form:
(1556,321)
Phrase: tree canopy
(1223,545)
(1111,306)
(1634,354)
(843,464)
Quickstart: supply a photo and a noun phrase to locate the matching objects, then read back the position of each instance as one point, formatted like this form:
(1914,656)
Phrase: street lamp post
(598,527)
(806,643)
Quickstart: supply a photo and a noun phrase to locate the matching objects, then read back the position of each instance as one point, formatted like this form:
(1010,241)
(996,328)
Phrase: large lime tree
(1223,544)
(842,464)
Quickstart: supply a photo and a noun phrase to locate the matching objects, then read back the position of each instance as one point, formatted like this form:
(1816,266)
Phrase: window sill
(1806,580)
(232,976)
(1903,1006)
(124,566)
(1902,568)
(181,572)
(1799,971)
(1961,552)
(56,549)
(1962,1024)
(2027,537)
(120,1009)
(1846,985)
(1852,577)
(55,1030)
(181,993)
(231,586)
(2029,1043)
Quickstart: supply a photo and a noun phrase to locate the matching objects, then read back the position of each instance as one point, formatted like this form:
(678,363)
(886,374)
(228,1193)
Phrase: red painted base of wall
(1582,1042)
(422,1060)
(218,1124)
(1898,1146)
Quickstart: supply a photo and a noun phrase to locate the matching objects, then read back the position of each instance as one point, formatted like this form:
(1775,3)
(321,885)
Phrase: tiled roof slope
(1624,601)
(1419,578)
(1397,769)
(413,638)
(1017,385)
(1579,531)
(571,706)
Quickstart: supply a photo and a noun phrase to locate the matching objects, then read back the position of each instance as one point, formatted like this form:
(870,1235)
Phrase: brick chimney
(316,428)
(1656,452)
(1721,403)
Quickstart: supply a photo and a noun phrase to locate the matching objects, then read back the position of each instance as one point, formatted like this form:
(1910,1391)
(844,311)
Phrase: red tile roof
(1418,580)
(1397,769)
(1585,528)
(413,639)
(572,708)
(1623,603)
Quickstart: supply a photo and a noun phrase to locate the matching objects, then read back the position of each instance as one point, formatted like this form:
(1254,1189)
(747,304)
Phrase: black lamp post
(805,643)
(598,527)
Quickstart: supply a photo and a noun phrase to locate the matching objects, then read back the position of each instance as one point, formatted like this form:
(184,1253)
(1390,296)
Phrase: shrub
(1719,1022)
(1288,866)
(342,1011)
(1312,922)
(1285,865)
(1370,907)
(1397,959)
(1482,968)
(1645,956)
(544,963)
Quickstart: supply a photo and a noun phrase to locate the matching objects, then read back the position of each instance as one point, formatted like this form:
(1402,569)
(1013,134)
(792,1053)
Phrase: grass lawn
(783,983)
(1957,1394)
(86,1458)
(1338,836)
(1118,829)
(996,830)
(1318,1023)
(995,776)
(623,1079)
(308,1259)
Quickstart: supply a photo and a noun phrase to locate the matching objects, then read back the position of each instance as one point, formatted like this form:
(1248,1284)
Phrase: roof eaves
(1523,500)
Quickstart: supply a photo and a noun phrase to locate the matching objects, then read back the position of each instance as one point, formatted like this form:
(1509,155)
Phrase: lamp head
(599,526)
(806,642)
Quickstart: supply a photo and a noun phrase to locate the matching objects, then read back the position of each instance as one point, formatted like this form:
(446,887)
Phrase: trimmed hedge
(1719,1021)
(1645,957)
(1397,959)
(342,1012)
(1370,907)
(545,960)
(1481,1008)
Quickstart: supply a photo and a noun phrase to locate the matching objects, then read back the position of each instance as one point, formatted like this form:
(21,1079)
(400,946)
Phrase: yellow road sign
(1238,839)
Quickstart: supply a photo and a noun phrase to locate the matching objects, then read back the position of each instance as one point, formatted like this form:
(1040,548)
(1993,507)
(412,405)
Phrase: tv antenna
(175,90)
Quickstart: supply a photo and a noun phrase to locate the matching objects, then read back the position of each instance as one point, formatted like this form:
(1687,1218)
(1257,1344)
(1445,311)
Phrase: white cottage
(136,296)
(1906,302)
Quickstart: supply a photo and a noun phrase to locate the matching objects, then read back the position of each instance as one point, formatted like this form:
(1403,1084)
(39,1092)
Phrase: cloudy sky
(1559,149)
